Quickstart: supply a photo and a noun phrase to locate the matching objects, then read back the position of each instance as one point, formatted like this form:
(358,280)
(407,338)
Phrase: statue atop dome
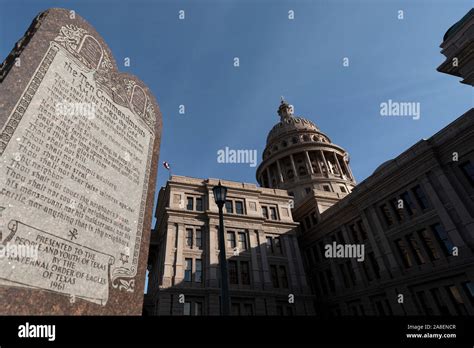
(285,110)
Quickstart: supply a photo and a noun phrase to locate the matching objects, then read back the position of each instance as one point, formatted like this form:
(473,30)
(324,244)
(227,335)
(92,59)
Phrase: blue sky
(190,62)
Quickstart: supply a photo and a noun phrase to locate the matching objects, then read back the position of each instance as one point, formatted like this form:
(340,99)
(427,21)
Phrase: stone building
(265,267)
(413,215)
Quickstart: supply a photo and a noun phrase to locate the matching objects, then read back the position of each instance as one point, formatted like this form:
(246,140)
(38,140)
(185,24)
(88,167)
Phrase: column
(267,282)
(253,240)
(446,220)
(212,256)
(325,162)
(169,251)
(354,263)
(346,164)
(291,267)
(280,173)
(338,165)
(458,205)
(317,162)
(179,266)
(293,166)
(308,163)
(394,267)
(299,264)
(267,170)
(375,247)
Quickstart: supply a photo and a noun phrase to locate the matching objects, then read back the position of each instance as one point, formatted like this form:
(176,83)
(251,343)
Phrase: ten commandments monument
(79,145)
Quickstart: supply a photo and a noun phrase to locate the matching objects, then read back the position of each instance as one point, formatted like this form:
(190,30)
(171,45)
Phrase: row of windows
(231,207)
(420,246)
(399,208)
(296,140)
(454,296)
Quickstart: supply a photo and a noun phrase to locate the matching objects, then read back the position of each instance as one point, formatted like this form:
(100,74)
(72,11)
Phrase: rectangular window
(242,241)
(188,270)
(344,275)
(330,278)
(245,272)
(469,289)
(326,188)
(233,276)
(351,272)
(265,212)
(228,207)
(189,237)
(198,308)
(386,214)
(429,245)
(443,239)
(283,277)
(199,204)
(313,218)
(415,248)
(375,265)
(190,205)
(343,189)
(274,275)
(363,232)
(408,203)
(442,308)
(239,207)
(468,170)
(456,299)
(403,252)
(368,275)
(398,211)
(235,309)
(198,273)
(421,197)
(355,235)
(279,310)
(231,239)
(424,303)
(198,239)
(248,309)
(270,245)
(278,247)
(273,213)
(187,308)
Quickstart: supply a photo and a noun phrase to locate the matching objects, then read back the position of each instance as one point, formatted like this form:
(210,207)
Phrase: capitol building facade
(413,218)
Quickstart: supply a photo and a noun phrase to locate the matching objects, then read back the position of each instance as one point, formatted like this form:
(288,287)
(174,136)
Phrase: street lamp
(220,193)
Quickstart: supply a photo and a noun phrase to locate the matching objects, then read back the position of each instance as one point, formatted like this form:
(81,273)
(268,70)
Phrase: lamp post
(220,193)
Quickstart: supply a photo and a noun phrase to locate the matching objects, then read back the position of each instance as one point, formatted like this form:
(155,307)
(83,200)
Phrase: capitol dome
(298,157)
